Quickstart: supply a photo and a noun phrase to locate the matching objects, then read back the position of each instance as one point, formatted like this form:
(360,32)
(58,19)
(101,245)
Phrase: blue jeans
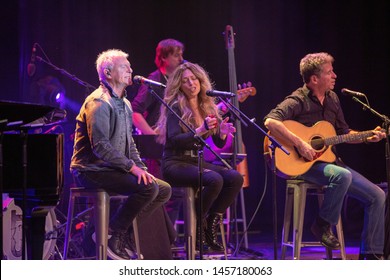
(344,180)
(142,199)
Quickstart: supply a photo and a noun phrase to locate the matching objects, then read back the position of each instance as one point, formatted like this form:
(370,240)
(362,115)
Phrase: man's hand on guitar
(306,151)
(379,134)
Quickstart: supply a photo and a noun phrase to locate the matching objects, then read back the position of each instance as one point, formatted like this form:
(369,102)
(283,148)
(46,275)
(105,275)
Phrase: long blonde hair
(173,95)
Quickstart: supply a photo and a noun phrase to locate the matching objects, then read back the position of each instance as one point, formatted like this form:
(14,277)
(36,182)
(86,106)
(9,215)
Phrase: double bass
(238,146)
(235,145)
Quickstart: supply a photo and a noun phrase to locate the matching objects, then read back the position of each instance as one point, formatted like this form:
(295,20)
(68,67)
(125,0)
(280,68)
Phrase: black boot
(129,244)
(213,221)
(116,246)
(322,230)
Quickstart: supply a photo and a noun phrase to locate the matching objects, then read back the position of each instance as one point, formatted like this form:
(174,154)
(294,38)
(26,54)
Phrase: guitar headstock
(244,91)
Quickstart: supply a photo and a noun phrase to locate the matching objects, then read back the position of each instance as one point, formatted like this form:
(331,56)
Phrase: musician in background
(316,101)
(186,95)
(105,155)
(169,55)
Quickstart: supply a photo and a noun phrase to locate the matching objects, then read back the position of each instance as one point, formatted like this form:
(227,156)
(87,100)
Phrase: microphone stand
(66,73)
(235,119)
(274,144)
(201,143)
(386,126)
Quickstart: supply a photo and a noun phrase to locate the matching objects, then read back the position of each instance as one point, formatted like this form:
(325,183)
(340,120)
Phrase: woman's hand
(226,128)
(210,122)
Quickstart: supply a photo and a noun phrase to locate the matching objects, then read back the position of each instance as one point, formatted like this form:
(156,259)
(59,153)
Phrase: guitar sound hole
(317,143)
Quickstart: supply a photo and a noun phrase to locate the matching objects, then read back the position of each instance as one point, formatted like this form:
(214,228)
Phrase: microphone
(352,93)
(31,66)
(142,80)
(217,93)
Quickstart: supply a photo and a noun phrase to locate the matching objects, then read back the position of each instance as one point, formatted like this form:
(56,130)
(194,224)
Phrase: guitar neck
(345,138)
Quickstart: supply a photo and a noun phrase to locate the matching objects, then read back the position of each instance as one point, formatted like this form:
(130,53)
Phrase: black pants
(220,185)
(142,199)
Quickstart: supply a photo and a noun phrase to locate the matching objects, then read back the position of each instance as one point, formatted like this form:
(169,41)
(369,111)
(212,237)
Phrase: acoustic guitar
(321,136)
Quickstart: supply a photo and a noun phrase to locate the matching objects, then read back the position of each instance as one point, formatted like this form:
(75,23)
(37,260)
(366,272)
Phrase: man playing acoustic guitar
(316,106)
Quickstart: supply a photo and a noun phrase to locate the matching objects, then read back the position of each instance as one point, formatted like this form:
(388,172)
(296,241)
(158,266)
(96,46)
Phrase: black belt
(188,153)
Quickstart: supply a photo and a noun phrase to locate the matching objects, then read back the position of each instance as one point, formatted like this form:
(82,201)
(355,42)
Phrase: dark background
(270,39)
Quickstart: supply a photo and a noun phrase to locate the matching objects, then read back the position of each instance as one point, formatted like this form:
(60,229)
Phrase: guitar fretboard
(348,137)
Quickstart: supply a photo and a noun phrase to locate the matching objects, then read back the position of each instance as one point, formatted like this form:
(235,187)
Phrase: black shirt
(178,141)
(303,107)
(146,103)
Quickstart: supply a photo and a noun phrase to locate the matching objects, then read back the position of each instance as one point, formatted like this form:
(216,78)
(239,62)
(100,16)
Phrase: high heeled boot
(213,223)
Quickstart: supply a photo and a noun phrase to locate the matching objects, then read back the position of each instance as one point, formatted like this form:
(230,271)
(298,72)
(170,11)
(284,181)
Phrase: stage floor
(261,246)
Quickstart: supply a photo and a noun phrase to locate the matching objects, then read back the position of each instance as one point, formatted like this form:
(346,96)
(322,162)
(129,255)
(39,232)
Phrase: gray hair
(105,60)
